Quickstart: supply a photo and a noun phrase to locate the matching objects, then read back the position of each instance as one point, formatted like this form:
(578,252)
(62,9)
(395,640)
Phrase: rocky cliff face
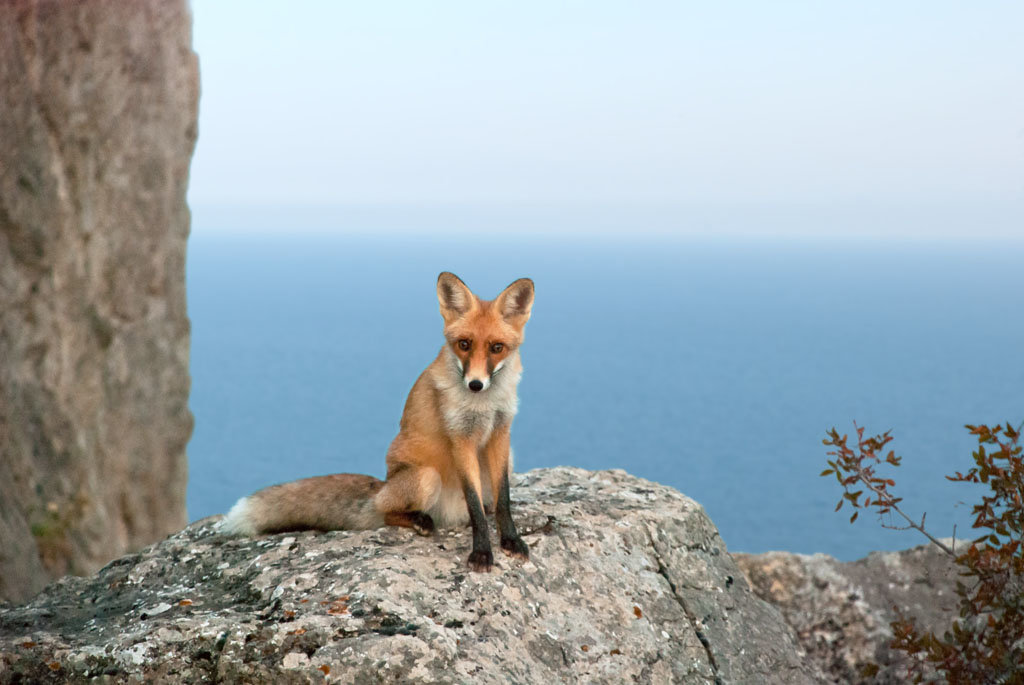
(628,581)
(841,611)
(98,122)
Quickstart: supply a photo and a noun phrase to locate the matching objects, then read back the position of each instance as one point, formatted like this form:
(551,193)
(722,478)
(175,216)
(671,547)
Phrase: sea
(712,366)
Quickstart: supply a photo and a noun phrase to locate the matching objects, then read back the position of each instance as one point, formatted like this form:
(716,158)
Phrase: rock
(841,611)
(628,581)
(96,133)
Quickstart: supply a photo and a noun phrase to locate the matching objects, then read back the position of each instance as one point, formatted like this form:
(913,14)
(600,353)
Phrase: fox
(451,459)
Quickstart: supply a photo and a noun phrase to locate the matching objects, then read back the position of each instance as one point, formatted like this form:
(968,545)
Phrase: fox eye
(463,344)
(497,347)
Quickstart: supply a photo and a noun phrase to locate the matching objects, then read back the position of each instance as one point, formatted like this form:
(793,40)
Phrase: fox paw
(422,524)
(516,548)
(481,561)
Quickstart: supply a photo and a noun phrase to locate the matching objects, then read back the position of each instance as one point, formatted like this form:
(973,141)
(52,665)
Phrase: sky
(872,119)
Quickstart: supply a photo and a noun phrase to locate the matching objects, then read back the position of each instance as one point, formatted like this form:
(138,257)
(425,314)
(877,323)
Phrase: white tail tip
(239,519)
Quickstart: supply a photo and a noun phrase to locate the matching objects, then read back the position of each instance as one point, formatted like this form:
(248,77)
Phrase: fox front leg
(480,559)
(511,543)
(497,454)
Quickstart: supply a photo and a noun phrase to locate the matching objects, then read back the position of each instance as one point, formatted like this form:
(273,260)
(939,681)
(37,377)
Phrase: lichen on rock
(841,611)
(628,580)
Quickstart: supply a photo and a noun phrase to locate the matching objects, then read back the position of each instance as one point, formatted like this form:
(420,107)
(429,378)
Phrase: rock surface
(628,581)
(98,122)
(841,611)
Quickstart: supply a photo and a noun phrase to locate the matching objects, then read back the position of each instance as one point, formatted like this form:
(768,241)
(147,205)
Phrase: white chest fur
(478,413)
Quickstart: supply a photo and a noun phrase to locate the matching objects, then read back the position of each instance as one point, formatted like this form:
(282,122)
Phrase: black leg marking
(511,543)
(422,523)
(480,559)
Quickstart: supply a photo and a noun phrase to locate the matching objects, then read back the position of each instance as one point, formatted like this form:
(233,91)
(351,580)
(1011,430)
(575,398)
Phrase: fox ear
(454,296)
(516,301)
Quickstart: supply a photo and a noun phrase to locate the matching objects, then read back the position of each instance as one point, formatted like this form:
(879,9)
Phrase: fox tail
(342,501)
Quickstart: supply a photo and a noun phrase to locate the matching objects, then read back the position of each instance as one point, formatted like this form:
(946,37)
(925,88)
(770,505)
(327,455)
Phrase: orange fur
(451,456)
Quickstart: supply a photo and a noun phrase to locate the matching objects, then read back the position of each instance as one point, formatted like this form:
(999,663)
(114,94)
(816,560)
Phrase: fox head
(483,334)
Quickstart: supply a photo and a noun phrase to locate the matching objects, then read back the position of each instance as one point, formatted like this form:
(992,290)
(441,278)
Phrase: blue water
(711,367)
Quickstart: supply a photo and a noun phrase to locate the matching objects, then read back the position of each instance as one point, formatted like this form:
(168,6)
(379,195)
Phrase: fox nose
(476,386)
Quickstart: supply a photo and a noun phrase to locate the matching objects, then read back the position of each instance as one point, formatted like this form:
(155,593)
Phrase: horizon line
(825,221)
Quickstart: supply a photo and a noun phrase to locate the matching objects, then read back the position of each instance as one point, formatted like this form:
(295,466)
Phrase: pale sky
(807,118)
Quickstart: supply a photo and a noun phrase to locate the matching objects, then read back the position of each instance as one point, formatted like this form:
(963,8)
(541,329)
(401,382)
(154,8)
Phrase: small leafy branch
(986,644)
(859,468)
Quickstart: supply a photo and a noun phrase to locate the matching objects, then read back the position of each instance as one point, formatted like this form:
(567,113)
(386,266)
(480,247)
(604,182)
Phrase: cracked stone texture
(628,581)
(97,125)
(841,611)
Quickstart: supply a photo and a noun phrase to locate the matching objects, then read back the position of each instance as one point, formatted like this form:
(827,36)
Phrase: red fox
(451,457)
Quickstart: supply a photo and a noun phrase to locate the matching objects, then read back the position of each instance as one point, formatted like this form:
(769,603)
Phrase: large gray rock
(628,581)
(97,124)
(841,611)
